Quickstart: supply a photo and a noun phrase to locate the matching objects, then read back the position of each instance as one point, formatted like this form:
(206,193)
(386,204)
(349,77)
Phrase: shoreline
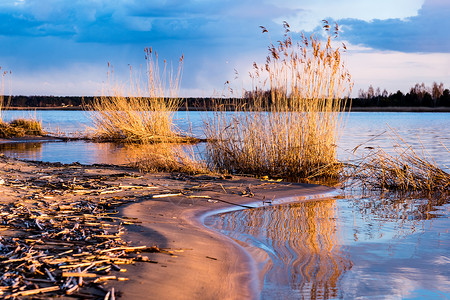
(418,109)
(193,262)
(209,264)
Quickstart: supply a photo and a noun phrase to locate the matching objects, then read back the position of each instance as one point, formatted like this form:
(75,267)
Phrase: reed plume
(146,115)
(407,169)
(292,130)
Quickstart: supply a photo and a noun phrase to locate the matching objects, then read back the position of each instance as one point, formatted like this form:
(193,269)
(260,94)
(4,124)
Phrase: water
(75,123)
(428,129)
(375,247)
(347,248)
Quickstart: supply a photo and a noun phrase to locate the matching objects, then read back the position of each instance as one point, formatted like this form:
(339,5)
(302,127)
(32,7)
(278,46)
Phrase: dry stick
(124,248)
(165,195)
(35,291)
(78,274)
(223,188)
(83,264)
(50,276)
(72,289)
(104,278)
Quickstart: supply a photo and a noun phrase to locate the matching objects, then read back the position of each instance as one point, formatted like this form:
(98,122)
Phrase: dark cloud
(215,36)
(28,26)
(426,32)
(137,21)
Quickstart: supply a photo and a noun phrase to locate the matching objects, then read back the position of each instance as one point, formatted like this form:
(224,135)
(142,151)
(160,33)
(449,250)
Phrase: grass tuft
(290,131)
(165,157)
(407,170)
(20,128)
(146,115)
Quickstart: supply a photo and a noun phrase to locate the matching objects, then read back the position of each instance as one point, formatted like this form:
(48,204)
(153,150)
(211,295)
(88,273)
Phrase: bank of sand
(206,265)
(199,263)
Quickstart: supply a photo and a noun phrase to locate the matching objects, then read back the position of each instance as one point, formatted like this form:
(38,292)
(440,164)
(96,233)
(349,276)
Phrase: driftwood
(62,234)
(71,246)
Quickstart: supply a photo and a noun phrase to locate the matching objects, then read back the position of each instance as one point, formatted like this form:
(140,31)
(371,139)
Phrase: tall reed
(3,105)
(146,114)
(292,132)
(165,157)
(406,170)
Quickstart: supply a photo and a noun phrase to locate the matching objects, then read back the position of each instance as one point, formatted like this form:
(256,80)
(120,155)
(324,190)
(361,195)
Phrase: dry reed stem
(166,157)
(20,128)
(406,170)
(293,131)
(144,116)
(3,105)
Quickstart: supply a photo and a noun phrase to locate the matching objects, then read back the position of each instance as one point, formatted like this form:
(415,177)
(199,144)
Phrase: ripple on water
(347,248)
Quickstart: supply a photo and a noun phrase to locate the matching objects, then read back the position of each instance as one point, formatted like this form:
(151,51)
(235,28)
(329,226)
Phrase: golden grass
(20,128)
(407,170)
(164,157)
(146,114)
(294,131)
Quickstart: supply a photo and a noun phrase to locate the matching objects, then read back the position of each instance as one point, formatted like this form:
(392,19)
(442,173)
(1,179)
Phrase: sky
(61,47)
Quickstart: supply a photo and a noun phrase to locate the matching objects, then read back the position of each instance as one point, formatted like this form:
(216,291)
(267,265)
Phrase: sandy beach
(165,211)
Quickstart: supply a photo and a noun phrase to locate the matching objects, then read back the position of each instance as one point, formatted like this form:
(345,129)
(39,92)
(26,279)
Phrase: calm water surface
(348,247)
(369,129)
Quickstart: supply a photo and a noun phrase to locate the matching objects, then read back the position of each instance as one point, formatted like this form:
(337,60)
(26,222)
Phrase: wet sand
(197,263)
(207,265)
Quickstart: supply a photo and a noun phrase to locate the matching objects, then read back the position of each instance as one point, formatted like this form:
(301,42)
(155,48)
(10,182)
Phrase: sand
(207,265)
(199,262)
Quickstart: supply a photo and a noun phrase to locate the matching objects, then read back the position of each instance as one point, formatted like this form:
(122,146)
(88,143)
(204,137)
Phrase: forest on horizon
(418,96)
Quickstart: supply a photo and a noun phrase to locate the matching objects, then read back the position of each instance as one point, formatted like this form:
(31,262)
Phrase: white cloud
(139,23)
(397,70)
(74,80)
(310,13)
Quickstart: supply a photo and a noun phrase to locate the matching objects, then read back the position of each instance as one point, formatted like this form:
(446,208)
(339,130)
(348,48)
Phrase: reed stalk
(293,131)
(165,157)
(146,114)
(406,170)
(3,105)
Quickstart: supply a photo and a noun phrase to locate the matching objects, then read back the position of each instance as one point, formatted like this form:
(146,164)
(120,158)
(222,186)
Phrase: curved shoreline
(197,262)
(208,265)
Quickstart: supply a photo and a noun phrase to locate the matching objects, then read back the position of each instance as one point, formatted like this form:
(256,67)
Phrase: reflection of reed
(406,211)
(20,147)
(33,151)
(302,241)
(401,206)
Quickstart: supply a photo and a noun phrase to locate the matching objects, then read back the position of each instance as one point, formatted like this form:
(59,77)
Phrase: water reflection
(87,152)
(302,241)
(30,150)
(385,246)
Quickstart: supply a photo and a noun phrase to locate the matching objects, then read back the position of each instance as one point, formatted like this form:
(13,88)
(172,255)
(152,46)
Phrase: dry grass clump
(406,170)
(17,127)
(165,157)
(20,128)
(145,115)
(292,132)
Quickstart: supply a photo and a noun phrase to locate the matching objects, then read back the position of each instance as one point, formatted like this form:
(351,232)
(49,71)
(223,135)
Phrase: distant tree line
(78,102)
(45,101)
(418,95)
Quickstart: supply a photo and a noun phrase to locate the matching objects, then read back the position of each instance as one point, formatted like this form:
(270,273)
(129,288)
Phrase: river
(353,246)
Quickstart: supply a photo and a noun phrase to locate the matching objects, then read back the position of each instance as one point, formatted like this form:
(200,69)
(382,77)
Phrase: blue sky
(60,47)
